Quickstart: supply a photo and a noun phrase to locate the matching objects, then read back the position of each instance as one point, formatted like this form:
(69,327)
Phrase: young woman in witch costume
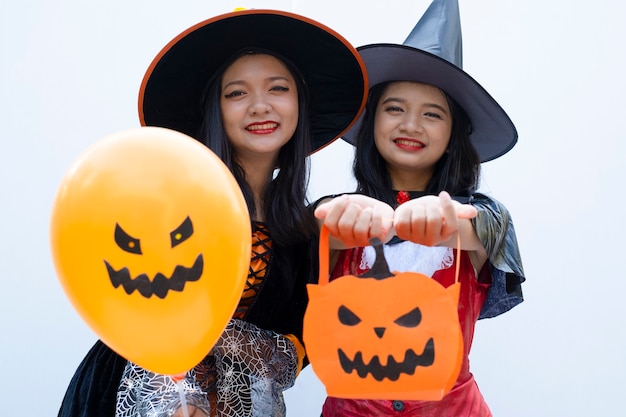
(262,89)
(425,131)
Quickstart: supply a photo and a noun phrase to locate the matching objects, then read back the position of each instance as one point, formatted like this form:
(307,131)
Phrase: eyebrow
(401,100)
(270,79)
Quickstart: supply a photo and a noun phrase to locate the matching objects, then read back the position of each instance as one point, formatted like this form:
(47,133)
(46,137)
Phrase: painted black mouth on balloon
(161,284)
(393,369)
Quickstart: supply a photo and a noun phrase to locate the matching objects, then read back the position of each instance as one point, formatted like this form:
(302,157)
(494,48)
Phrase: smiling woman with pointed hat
(426,130)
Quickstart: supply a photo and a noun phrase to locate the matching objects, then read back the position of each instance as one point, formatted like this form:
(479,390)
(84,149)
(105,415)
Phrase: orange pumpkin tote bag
(383,335)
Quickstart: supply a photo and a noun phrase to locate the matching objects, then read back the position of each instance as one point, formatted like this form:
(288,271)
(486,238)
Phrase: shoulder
(484,201)
(491,213)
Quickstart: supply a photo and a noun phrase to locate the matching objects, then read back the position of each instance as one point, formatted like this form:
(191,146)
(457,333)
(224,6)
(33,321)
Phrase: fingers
(420,221)
(449,224)
(355,219)
(465,211)
(431,220)
(191,412)
(381,225)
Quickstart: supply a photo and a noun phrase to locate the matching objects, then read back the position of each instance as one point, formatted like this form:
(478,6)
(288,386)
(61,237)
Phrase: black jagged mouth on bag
(393,369)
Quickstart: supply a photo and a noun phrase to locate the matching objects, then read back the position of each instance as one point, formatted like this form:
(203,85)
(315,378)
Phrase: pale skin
(412,129)
(259,104)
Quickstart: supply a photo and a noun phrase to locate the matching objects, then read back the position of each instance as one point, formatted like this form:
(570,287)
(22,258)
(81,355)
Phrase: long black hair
(457,171)
(284,198)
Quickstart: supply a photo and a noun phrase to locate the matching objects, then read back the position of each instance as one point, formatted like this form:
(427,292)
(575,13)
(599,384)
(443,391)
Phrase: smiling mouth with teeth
(263,126)
(408,142)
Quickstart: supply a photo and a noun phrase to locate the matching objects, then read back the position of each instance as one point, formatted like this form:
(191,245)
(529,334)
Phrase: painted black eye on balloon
(182,232)
(126,242)
(347,317)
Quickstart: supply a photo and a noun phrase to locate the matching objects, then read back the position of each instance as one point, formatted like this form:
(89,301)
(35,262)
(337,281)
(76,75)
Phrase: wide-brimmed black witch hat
(171,92)
(432,54)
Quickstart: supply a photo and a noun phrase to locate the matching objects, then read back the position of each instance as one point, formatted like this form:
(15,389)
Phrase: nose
(380,331)
(259,106)
(411,123)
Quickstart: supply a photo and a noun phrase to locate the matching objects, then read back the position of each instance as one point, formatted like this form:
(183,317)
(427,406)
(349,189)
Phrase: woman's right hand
(434,220)
(191,412)
(354,219)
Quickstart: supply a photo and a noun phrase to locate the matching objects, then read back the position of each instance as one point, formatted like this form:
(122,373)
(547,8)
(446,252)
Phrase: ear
(313,290)
(454,291)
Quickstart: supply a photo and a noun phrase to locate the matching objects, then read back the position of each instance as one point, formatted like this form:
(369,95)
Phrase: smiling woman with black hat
(424,133)
(263,89)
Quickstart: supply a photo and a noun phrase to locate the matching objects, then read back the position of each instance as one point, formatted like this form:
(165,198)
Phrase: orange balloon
(150,236)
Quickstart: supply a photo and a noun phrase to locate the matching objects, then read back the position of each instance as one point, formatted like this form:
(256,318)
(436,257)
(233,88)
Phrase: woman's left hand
(431,220)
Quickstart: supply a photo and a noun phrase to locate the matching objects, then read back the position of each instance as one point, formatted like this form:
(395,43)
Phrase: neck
(409,180)
(258,174)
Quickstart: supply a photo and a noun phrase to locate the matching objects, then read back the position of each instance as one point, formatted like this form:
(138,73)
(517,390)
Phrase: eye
(410,319)
(279,88)
(126,242)
(394,109)
(433,115)
(182,232)
(347,317)
(234,94)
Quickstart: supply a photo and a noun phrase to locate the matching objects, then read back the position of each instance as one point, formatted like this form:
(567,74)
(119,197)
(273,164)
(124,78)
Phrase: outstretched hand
(431,220)
(355,219)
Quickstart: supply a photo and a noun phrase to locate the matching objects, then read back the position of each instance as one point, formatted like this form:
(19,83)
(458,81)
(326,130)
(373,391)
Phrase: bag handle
(324,251)
(324,255)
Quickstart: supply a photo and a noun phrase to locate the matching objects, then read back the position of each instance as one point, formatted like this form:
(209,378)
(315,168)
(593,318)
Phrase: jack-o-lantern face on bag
(151,241)
(384,336)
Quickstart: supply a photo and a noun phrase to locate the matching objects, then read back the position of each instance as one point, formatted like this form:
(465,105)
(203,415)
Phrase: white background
(69,75)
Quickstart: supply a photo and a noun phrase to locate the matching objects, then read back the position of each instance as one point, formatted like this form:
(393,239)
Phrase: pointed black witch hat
(432,54)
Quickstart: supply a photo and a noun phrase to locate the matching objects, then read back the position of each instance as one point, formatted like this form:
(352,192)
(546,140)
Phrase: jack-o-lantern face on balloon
(384,336)
(151,241)
(159,285)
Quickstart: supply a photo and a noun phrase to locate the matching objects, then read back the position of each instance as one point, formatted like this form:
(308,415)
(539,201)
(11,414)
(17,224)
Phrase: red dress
(464,400)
